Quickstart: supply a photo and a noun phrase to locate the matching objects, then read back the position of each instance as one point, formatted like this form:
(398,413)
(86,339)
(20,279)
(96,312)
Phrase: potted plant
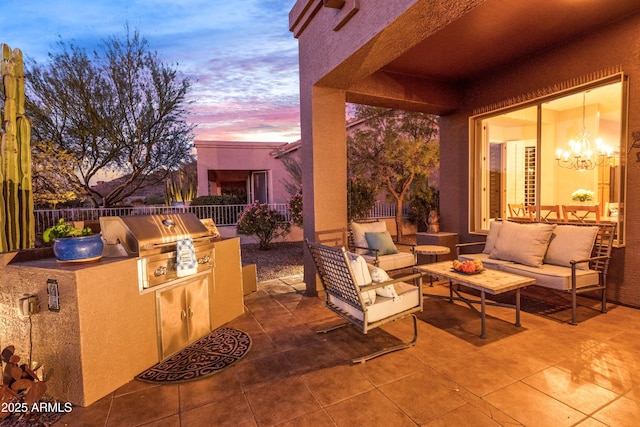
(73,244)
(582,196)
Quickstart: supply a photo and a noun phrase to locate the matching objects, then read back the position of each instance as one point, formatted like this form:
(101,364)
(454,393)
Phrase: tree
(393,148)
(119,111)
(52,170)
(292,162)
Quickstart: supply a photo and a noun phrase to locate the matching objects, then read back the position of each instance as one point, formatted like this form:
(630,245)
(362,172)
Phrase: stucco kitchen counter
(103,335)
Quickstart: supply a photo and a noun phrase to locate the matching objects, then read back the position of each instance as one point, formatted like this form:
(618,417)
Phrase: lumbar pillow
(494,228)
(358,229)
(378,275)
(522,243)
(362,277)
(382,241)
(571,242)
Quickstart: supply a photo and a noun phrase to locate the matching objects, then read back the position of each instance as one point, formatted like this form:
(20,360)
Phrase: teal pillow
(382,241)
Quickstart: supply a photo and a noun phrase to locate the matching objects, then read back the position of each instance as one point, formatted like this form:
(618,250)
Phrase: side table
(432,251)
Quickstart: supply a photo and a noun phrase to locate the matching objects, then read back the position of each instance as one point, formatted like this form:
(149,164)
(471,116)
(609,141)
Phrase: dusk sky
(239,54)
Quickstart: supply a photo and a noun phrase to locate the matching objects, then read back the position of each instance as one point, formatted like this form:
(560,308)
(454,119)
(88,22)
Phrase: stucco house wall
(615,47)
(347,54)
(244,157)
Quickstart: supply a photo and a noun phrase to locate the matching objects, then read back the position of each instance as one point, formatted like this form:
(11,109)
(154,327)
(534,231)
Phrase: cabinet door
(173,320)
(197,308)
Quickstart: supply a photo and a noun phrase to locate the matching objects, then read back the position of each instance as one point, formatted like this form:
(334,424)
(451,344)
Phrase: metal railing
(222,215)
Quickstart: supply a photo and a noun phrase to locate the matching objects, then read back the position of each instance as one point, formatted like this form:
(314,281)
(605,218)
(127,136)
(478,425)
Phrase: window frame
(479,150)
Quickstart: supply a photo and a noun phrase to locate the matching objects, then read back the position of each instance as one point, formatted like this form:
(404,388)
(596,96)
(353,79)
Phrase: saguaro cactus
(17,228)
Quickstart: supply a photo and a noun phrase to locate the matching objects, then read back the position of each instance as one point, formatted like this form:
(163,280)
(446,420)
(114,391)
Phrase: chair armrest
(370,251)
(391,282)
(467,245)
(411,245)
(580,261)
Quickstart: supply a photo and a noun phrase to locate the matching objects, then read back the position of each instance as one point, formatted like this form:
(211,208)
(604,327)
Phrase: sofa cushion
(494,228)
(553,276)
(362,276)
(571,242)
(382,241)
(358,229)
(522,243)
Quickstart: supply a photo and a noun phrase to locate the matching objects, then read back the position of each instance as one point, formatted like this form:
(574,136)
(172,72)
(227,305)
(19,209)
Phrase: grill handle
(161,245)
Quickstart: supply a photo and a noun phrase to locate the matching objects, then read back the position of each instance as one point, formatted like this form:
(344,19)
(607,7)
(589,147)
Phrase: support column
(324,166)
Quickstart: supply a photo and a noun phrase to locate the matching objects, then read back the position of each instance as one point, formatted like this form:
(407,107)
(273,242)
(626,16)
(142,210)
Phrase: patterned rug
(210,354)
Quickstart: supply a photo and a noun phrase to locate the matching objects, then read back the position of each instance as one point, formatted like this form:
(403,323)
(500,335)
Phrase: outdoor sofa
(567,257)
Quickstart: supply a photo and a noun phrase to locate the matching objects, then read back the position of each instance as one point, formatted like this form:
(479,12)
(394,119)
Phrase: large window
(539,154)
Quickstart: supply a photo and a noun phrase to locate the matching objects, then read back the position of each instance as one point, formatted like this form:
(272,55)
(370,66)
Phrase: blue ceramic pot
(85,248)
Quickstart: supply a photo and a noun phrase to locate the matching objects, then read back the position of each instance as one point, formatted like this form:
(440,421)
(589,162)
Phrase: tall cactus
(17,227)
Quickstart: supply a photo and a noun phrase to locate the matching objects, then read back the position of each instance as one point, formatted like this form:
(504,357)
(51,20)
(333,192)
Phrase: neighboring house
(252,170)
(513,82)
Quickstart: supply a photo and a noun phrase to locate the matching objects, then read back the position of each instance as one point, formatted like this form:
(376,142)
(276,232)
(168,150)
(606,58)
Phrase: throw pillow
(571,242)
(358,229)
(362,276)
(382,241)
(378,275)
(494,228)
(522,243)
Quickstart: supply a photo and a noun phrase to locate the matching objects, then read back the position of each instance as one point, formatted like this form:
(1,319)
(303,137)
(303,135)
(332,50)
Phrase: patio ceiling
(499,32)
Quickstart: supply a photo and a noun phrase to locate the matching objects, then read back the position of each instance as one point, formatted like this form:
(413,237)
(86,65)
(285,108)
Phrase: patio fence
(222,215)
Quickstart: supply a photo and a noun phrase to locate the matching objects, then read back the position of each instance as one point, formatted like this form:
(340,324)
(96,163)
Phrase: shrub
(295,208)
(267,224)
(225,199)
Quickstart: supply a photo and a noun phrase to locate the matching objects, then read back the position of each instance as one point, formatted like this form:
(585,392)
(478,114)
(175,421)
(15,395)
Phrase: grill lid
(141,233)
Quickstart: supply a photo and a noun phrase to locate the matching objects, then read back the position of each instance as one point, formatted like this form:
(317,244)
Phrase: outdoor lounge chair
(383,252)
(354,302)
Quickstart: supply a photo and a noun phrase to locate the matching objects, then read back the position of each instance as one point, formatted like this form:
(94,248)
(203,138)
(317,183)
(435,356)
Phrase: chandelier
(581,156)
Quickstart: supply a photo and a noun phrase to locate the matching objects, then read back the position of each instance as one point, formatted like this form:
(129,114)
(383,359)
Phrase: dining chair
(547,213)
(580,213)
(517,210)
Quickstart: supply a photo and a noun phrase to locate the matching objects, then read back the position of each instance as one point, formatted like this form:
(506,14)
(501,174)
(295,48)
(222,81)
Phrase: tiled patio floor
(546,373)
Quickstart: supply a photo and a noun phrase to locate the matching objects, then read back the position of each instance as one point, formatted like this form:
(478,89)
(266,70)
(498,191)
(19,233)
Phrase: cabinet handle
(183,315)
(190,312)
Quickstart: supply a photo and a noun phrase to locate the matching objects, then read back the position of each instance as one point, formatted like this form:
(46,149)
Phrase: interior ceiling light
(580,156)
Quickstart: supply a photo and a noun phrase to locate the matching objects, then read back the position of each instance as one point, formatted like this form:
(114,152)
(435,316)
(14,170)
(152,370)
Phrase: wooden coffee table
(489,281)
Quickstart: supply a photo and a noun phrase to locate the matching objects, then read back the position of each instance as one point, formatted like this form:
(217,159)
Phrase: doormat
(208,355)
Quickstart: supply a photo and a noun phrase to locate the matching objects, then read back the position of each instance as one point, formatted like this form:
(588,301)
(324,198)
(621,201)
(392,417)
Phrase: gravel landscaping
(281,260)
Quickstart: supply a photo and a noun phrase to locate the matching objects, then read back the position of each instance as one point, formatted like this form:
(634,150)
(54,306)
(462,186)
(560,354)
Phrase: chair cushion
(358,230)
(384,307)
(522,243)
(382,241)
(393,262)
(571,242)
(362,276)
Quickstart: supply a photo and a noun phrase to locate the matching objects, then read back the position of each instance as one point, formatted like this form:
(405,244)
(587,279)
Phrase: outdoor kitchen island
(107,329)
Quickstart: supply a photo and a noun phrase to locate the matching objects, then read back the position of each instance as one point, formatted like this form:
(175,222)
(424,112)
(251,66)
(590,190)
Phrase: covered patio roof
(441,50)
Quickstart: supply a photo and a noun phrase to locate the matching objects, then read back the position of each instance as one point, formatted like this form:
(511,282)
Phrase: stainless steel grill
(152,239)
